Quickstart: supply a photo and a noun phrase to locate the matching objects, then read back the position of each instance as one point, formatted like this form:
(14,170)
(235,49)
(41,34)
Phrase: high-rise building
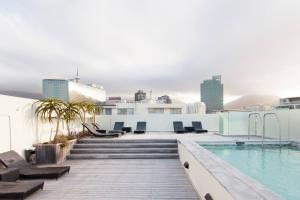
(212,94)
(164,99)
(56,88)
(73,90)
(140,95)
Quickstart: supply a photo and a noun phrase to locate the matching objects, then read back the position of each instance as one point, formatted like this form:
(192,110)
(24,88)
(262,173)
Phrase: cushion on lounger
(26,170)
(19,190)
(13,159)
(43,172)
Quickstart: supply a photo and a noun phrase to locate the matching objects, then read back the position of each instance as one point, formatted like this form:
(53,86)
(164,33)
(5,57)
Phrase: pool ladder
(257,116)
(263,122)
(264,127)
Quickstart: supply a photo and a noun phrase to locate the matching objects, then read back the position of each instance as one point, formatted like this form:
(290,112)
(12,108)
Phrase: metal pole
(264,130)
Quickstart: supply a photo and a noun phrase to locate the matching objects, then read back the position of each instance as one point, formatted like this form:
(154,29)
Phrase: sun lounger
(118,128)
(178,127)
(197,125)
(98,134)
(29,171)
(140,127)
(20,189)
(98,128)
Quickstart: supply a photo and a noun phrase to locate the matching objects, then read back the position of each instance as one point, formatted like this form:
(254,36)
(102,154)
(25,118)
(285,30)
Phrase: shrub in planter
(54,152)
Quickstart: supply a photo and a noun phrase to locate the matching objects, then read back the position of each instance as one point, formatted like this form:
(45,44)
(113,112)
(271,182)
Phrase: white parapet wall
(160,122)
(20,129)
(18,126)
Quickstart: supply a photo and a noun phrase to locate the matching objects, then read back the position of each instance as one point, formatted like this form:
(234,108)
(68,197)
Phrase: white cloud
(168,46)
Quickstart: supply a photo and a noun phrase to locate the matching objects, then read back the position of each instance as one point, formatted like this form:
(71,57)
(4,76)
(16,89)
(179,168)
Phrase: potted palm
(56,150)
(71,112)
(48,110)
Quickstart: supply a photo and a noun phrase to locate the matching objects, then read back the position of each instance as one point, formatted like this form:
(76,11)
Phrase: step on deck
(124,156)
(127,145)
(106,141)
(124,149)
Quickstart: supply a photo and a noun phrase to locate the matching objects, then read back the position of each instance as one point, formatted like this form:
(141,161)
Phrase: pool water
(276,168)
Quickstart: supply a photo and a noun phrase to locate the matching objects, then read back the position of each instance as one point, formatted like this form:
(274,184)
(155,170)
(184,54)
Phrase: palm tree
(89,108)
(93,109)
(70,113)
(84,109)
(49,109)
(97,109)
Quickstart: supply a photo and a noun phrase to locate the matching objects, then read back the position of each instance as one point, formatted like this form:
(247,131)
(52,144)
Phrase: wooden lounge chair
(140,127)
(118,128)
(178,127)
(29,171)
(20,189)
(98,128)
(197,125)
(95,132)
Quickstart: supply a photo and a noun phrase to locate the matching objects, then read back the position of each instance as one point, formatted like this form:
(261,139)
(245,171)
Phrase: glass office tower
(68,90)
(212,94)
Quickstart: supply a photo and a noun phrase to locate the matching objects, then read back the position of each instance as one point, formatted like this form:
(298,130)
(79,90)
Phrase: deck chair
(197,125)
(20,189)
(118,128)
(29,171)
(96,133)
(98,128)
(178,127)
(140,127)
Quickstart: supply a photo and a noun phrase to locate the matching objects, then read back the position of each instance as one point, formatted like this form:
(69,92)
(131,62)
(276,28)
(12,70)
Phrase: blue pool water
(276,168)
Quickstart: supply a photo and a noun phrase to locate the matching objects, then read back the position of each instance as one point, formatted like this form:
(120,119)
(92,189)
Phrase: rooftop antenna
(77,78)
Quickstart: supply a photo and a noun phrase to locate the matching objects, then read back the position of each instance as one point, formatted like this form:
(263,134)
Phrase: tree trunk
(57,125)
(68,127)
(83,128)
(94,117)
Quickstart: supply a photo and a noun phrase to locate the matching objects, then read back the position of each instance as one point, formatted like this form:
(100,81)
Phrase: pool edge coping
(239,185)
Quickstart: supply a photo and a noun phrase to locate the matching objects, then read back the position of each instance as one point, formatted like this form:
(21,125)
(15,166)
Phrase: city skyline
(140,45)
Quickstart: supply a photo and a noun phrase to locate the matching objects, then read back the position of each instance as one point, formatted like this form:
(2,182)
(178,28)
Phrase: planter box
(53,153)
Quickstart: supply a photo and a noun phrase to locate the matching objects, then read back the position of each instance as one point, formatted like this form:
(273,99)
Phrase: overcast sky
(168,46)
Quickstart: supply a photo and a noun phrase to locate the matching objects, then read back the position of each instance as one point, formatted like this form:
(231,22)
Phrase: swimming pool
(276,168)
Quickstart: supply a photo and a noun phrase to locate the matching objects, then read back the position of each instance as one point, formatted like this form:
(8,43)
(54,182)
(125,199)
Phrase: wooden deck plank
(120,179)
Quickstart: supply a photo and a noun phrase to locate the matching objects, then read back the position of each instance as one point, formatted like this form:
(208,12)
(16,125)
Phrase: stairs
(124,149)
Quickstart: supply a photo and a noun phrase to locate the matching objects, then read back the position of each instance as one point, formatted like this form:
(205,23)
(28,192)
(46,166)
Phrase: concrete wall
(21,131)
(160,122)
(19,127)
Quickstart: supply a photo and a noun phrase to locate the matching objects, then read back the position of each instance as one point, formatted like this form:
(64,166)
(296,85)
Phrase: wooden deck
(120,179)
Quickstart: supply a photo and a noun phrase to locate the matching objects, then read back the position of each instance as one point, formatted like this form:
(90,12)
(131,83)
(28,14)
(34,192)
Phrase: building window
(156,110)
(175,110)
(122,111)
(107,111)
(125,111)
(130,111)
